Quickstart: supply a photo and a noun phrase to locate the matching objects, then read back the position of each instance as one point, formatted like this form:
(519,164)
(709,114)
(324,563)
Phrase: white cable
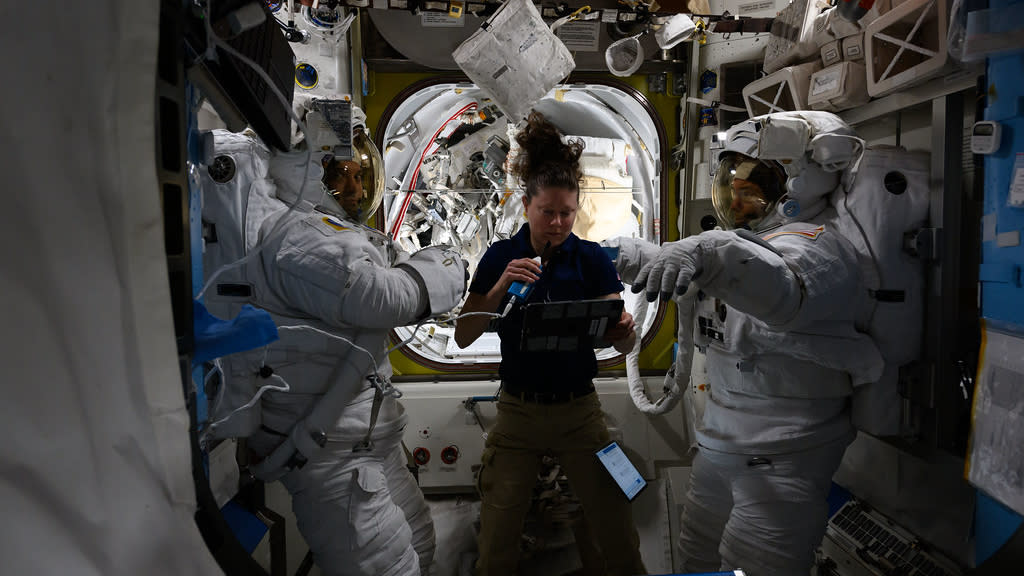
(252,402)
(217,369)
(407,340)
(391,390)
(352,344)
(213,39)
(335,337)
(676,381)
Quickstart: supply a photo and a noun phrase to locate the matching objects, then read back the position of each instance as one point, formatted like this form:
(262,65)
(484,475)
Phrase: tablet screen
(622,470)
(568,326)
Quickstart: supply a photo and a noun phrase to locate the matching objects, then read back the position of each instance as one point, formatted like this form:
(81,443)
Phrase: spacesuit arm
(342,285)
(749,277)
(442,275)
(632,255)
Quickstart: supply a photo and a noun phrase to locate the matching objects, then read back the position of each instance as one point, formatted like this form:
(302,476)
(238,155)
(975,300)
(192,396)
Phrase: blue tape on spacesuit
(214,337)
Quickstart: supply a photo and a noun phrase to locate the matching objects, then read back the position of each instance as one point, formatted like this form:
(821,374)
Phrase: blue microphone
(520,291)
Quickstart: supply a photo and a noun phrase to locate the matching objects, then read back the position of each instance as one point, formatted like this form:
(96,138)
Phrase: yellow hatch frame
(657,355)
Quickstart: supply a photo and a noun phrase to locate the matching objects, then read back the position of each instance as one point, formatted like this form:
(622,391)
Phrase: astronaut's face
(748,203)
(348,187)
(551,213)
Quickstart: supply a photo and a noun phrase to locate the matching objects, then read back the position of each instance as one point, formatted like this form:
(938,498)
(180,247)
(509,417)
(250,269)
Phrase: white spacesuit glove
(676,264)
(634,254)
(442,273)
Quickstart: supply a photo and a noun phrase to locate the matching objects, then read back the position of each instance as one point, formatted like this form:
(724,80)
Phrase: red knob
(421,456)
(450,454)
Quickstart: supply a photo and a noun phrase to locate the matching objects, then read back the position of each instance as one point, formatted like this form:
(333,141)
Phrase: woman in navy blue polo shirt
(547,404)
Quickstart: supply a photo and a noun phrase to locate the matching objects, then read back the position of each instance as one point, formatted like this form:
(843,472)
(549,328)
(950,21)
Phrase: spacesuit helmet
(794,159)
(356,182)
(745,190)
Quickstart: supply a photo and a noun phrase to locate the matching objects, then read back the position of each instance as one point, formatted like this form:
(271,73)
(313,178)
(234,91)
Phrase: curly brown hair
(544,160)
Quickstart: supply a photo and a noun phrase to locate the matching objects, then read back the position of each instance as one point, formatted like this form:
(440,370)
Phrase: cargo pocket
(485,461)
(367,503)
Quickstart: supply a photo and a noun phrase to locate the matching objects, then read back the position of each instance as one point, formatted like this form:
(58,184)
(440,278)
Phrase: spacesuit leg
(345,512)
(408,496)
(705,513)
(780,512)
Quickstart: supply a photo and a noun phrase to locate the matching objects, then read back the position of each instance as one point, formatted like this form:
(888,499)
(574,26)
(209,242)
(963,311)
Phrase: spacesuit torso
(299,278)
(776,390)
(317,268)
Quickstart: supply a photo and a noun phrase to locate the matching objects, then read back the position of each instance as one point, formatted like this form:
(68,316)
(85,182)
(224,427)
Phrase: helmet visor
(371,166)
(745,190)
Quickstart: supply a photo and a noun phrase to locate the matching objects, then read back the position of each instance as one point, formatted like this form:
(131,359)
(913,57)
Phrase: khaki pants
(573,432)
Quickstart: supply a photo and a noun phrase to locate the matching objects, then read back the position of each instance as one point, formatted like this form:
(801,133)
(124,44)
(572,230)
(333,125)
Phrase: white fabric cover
(96,473)
(515,58)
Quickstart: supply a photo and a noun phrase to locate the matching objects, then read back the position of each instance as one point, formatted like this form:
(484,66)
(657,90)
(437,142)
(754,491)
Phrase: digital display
(622,470)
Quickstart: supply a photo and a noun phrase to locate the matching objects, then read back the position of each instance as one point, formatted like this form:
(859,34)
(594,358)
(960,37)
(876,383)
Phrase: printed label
(440,20)
(1016,196)
(755,6)
(580,36)
(824,84)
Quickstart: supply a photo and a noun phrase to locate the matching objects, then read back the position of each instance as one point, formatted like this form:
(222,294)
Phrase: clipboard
(568,326)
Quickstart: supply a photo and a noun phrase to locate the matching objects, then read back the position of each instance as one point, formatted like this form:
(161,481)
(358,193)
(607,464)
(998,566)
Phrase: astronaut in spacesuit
(780,293)
(328,425)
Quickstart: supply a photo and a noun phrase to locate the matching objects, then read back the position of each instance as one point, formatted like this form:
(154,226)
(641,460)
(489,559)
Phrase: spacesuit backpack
(236,188)
(882,203)
(235,183)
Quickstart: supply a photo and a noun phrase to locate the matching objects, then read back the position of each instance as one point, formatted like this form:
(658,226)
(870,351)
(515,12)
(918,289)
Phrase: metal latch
(924,243)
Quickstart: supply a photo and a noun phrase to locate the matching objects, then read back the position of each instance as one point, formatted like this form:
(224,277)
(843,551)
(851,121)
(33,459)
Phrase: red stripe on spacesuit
(812,234)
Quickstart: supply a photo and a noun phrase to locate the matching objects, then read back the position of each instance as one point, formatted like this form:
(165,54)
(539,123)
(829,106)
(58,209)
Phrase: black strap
(270,430)
(750,236)
(889,295)
(378,399)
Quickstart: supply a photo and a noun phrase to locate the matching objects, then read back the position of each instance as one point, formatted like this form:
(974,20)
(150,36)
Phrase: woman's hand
(520,270)
(624,328)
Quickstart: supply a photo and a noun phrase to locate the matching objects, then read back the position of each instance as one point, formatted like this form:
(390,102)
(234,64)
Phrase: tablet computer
(622,470)
(568,326)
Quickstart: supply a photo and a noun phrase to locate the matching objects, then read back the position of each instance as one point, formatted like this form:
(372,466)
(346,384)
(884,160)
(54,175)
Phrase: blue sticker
(791,208)
(306,76)
(708,81)
(708,117)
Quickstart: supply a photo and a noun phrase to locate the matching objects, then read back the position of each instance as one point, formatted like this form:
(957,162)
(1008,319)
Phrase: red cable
(412,186)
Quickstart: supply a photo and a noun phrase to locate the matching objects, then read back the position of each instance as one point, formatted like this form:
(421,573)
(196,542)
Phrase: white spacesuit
(327,425)
(778,311)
